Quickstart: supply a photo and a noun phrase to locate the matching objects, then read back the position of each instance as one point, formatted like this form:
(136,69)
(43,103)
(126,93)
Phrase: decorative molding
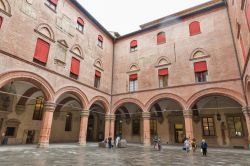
(199,50)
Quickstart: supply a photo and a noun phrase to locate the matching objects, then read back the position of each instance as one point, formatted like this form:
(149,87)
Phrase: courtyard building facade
(64,78)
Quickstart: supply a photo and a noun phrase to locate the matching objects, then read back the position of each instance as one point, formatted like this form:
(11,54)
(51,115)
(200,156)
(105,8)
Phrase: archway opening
(128,123)
(219,120)
(167,121)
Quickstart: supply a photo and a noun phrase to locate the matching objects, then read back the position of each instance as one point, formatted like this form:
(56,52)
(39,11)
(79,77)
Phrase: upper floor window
(208,126)
(194,28)
(38,111)
(97,79)
(41,51)
(1,21)
(52,4)
(163,78)
(247,12)
(100,41)
(161,38)
(133,46)
(242,4)
(200,69)
(133,83)
(75,67)
(235,126)
(80,24)
(68,124)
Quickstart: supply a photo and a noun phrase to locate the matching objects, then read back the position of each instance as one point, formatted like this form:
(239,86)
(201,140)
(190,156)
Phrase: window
(133,82)
(133,46)
(41,51)
(243,48)
(235,126)
(10,131)
(194,28)
(97,79)
(208,126)
(200,69)
(247,12)
(38,111)
(163,78)
(1,21)
(75,67)
(161,38)
(80,24)
(153,127)
(68,124)
(52,4)
(136,126)
(100,41)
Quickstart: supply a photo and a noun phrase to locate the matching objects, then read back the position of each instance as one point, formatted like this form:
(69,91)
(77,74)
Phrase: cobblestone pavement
(134,155)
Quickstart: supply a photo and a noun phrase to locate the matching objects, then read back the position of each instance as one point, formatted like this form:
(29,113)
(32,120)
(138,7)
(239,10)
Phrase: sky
(125,16)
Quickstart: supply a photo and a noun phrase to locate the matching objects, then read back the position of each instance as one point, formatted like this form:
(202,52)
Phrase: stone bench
(122,143)
(102,145)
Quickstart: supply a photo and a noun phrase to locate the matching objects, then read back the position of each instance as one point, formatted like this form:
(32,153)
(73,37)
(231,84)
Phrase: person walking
(110,142)
(187,145)
(204,147)
(159,143)
(117,141)
(155,140)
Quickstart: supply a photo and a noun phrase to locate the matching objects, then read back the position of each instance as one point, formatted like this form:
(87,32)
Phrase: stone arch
(127,100)
(133,67)
(162,61)
(5,7)
(169,96)
(102,100)
(98,64)
(247,88)
(77,50)
(199,53)
(74,91)
(46,31)
(33,78)
(215,91)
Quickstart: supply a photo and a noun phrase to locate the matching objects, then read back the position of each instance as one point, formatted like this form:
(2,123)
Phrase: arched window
(38,111)
(52,4)
(1,21)
(80,24)
(133,45)
(194,28)
(161,38)
(68,126)
(100,41)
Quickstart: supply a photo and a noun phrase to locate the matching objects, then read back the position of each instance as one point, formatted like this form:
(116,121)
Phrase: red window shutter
(133,43)
(80,21)
(161,38)
(42,50)
(54,2)
(247,12)
(98,73)
(75,66)
(100,38)
(243,48)
(163,72)
(194,28)
(133,77)
(200,66)
(1,21)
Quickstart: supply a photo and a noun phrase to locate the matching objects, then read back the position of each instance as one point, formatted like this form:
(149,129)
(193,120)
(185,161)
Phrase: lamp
(217,107)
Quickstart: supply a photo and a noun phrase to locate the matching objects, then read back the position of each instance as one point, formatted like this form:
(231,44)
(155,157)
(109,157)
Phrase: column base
(82,143)
(146,144)
(43,145)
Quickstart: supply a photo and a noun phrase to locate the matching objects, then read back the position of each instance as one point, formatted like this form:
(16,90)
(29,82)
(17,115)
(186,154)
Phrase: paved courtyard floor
(134,155)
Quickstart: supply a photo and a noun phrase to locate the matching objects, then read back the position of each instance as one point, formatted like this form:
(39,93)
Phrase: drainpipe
(237,58)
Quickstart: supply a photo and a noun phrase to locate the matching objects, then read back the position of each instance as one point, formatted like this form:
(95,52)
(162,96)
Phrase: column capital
(50,107)
(246,111)
(187,113)
(110,117)
(85,113)
(146,115)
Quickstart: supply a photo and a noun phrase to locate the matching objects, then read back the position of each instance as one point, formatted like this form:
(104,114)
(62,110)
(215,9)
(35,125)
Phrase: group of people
(157,143)
(109,141)
(192,145)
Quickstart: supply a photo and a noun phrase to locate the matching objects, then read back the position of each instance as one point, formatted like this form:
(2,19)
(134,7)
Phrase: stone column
(49,109)
(83,127)
(110,126)
(146,128)
(188,123)
(246,113)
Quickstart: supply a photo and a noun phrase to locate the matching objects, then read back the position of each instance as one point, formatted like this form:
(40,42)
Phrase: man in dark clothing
(110,142)
(204,147)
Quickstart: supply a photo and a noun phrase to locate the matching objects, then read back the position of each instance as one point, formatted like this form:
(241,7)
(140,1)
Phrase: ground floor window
(136,126)
(153,127)
(10,131)
(235,126)
(208,126)
(68,126)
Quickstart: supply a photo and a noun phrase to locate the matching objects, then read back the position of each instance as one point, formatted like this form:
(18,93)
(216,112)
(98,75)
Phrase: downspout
(237,57)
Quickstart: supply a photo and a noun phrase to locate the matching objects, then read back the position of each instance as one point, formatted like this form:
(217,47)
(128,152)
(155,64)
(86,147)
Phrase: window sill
(195,34)
(53,10)
(133,51)
(160,43)
(100,46)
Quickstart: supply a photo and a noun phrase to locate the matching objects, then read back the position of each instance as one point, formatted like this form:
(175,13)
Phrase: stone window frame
(242,124)
(202,126)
